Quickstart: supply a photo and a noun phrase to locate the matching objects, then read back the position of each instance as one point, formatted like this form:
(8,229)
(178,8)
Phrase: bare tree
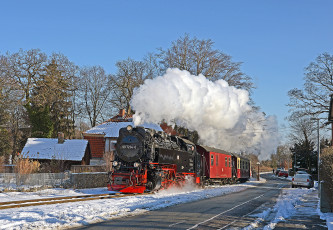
(130,74)
(313,100)
(302,129)
(24,69)
(95,92)
(199,57)
(20,71)
(284,156)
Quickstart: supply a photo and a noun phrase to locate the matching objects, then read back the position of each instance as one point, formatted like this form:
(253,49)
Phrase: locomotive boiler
(148,160)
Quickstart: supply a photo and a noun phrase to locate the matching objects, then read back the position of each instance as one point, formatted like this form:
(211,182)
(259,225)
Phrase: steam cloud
(218,112)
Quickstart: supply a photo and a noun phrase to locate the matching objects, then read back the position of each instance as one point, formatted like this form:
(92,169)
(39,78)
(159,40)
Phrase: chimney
(122,113)
(61,138)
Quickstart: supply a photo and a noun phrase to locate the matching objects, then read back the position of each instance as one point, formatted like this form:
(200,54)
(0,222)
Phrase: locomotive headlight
(137,165)
(129,128)
(115,163)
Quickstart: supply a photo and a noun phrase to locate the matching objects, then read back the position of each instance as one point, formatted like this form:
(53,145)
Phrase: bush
(53,166)
(26,166)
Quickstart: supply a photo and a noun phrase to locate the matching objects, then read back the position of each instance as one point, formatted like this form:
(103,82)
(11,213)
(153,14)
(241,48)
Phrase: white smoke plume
(218,112)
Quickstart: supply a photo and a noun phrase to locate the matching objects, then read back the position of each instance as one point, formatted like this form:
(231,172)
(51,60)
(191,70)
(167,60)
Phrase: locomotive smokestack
(122,112)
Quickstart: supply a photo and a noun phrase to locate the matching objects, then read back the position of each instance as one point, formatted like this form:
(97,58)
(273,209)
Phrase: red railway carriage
(217,165)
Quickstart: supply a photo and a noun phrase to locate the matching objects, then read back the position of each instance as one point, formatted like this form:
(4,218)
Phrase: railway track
(59,200)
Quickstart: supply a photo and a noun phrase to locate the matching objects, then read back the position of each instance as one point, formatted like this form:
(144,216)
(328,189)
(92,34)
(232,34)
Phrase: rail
(59,200)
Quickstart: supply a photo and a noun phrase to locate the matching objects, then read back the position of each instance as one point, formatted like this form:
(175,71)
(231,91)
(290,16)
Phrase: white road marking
(176,223)
(280,186)
(224,212)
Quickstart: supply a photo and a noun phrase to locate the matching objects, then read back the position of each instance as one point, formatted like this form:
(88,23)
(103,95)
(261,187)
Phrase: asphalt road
(224,212)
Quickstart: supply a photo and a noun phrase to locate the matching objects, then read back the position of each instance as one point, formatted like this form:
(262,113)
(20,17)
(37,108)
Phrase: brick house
(102,138)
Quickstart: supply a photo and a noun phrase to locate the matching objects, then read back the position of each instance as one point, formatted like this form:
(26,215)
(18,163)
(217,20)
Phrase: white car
(302,180)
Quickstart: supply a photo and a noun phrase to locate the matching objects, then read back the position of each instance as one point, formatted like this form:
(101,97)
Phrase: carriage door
(234,166)
(212,165)
(238,168)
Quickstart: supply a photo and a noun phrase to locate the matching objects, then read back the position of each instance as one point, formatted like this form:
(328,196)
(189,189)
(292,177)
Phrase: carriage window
(226,162)
(229,162)
(217,160)
(212,160)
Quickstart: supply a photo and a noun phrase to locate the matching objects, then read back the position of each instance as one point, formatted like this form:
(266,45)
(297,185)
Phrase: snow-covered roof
(47,148)
(111,129)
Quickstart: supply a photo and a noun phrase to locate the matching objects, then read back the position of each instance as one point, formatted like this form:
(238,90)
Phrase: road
(224,212)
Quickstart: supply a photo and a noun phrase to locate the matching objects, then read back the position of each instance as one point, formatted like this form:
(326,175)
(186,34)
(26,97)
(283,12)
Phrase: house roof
(215,150)
(47,148)
(111,129)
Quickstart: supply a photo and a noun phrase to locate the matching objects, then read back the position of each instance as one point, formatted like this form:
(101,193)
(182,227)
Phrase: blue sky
(275,40)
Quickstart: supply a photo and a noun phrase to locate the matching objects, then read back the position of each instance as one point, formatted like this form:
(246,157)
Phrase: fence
(87,168)
(15,181)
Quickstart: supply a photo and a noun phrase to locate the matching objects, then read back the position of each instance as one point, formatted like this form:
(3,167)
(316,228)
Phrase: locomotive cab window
(212,160)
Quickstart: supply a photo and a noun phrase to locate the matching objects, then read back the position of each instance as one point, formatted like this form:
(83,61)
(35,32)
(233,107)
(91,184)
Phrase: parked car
(278,170)
(302,180)
(283,173)
(301,172)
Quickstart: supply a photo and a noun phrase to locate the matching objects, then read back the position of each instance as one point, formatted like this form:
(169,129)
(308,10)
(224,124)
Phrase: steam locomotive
(147,160)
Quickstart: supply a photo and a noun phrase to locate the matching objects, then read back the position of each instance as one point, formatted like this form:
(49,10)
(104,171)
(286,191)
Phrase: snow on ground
(60,216)
(76,214)
(285,207)
(328,217)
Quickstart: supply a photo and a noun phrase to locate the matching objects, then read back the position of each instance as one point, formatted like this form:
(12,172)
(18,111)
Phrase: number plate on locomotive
(128,146)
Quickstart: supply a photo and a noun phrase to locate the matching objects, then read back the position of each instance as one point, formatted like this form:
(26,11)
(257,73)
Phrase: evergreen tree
(40,120)
(305,154)
(51,103)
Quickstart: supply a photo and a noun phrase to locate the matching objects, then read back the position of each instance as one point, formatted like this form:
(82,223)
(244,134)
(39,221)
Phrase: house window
(110,145)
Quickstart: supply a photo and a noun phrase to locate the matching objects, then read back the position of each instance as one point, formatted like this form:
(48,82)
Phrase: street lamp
(258,163)
(318,147)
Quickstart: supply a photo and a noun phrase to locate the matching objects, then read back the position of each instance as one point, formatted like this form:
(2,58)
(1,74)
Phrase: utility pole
(318,147)
(258,163)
